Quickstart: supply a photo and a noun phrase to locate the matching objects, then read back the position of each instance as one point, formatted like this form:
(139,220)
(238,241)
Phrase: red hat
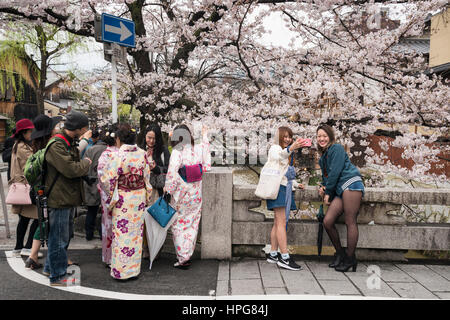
(23,124)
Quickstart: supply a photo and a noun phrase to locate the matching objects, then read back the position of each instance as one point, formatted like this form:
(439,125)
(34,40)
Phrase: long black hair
(126,134)
(159,142)
(107,134)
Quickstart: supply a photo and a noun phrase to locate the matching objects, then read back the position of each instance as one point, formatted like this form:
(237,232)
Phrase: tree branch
(239,50)
(346,29)
(312,28)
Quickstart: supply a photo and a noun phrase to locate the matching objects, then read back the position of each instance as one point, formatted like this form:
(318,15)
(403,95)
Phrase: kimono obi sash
(191,173)
(130,182)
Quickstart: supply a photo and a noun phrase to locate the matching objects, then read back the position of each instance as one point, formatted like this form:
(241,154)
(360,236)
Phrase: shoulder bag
(161,211)
(19,194)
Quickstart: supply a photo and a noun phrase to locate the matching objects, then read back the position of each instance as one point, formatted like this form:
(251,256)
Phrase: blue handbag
(161,211)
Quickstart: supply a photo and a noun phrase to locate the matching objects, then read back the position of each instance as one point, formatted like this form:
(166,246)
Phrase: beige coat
(18,161)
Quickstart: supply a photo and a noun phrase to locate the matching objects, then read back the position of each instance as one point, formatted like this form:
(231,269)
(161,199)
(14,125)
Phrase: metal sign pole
(114,88)
(5,209)
(120,33)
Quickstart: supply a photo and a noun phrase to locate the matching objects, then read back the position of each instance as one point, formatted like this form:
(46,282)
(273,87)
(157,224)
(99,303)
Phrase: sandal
(183,266)
(31,264)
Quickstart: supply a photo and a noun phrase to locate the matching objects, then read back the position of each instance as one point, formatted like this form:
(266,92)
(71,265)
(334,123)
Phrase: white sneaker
(15,253)
(25,252)
(289,264)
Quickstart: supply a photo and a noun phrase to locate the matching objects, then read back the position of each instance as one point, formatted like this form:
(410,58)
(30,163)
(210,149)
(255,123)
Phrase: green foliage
(14,62)
(44,41)
(10,124)
(314,180)
(127,114)
(437,254)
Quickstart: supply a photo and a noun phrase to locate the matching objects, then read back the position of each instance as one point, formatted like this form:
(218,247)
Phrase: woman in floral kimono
(186,196)
(128,174)
(104,188)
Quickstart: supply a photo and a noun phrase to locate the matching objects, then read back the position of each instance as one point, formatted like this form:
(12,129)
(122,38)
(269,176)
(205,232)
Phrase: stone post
(217,214)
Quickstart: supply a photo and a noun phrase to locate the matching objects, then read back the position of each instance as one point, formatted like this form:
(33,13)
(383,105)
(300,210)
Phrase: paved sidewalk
(251,277)
(237,279)
(258,277)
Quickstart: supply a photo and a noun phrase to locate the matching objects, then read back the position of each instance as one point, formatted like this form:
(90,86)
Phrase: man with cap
(44,129)
(64,171)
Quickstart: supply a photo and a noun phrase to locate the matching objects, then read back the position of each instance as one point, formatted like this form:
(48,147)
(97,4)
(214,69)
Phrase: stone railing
(228,219)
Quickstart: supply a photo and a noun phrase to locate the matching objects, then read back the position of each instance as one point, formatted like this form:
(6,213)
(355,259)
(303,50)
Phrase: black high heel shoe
(347,263)
(338,257)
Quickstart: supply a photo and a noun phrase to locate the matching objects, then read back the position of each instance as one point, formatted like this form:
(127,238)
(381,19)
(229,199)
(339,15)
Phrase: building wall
(440,39)
(2,131)
(394,154)
(7,108)
(50,110)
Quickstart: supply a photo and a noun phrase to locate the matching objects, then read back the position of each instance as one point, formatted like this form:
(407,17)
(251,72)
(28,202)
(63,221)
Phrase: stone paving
(258,277)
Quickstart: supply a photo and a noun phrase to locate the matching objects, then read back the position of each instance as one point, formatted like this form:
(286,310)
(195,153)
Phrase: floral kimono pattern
(103,186)
(129,190)
(186,197)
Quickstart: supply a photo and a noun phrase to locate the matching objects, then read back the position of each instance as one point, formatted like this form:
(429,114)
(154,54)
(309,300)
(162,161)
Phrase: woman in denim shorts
(342,190)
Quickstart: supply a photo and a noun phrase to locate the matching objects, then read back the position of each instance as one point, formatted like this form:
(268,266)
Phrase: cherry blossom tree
(204,60)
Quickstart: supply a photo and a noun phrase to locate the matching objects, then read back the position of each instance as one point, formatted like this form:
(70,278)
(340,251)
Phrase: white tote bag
(269,180)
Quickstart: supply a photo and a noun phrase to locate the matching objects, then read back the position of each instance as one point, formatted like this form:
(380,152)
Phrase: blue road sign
(118,30)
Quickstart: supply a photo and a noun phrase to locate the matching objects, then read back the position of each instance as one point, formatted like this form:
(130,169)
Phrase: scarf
(290,175)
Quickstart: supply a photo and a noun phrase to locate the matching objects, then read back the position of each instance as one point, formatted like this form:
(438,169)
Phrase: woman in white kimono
(186,196)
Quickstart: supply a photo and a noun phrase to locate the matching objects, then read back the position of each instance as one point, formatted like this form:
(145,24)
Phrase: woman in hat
(21,151)
(44,128)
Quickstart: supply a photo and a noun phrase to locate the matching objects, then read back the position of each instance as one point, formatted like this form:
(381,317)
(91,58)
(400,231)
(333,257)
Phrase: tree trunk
(40,92)
(142,58)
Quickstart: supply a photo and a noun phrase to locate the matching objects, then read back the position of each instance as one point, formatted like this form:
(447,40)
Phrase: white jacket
(280,157)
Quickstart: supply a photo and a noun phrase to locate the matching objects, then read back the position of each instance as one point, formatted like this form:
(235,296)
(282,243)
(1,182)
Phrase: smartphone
(308,142)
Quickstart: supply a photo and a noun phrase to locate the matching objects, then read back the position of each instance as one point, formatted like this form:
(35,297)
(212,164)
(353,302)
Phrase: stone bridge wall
(228,219)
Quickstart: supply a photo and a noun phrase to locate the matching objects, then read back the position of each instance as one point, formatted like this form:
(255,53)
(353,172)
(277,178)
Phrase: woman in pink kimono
(128,175)
(186,194)
(104,188)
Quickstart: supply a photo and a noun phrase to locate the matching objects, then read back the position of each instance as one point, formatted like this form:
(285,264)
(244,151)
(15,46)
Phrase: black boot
(338,257)
(347,263)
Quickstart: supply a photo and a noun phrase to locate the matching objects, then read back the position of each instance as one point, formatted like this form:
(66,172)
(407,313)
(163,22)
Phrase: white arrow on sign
(123,30)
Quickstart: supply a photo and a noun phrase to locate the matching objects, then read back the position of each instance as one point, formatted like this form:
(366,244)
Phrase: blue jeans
(58,240)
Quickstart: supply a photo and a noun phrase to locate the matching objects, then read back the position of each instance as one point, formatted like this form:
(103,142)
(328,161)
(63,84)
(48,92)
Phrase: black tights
(21,230)
(349,204)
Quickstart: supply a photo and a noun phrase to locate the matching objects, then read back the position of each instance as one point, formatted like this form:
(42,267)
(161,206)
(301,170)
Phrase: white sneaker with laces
(271,259)
(289,264)
(25,252)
